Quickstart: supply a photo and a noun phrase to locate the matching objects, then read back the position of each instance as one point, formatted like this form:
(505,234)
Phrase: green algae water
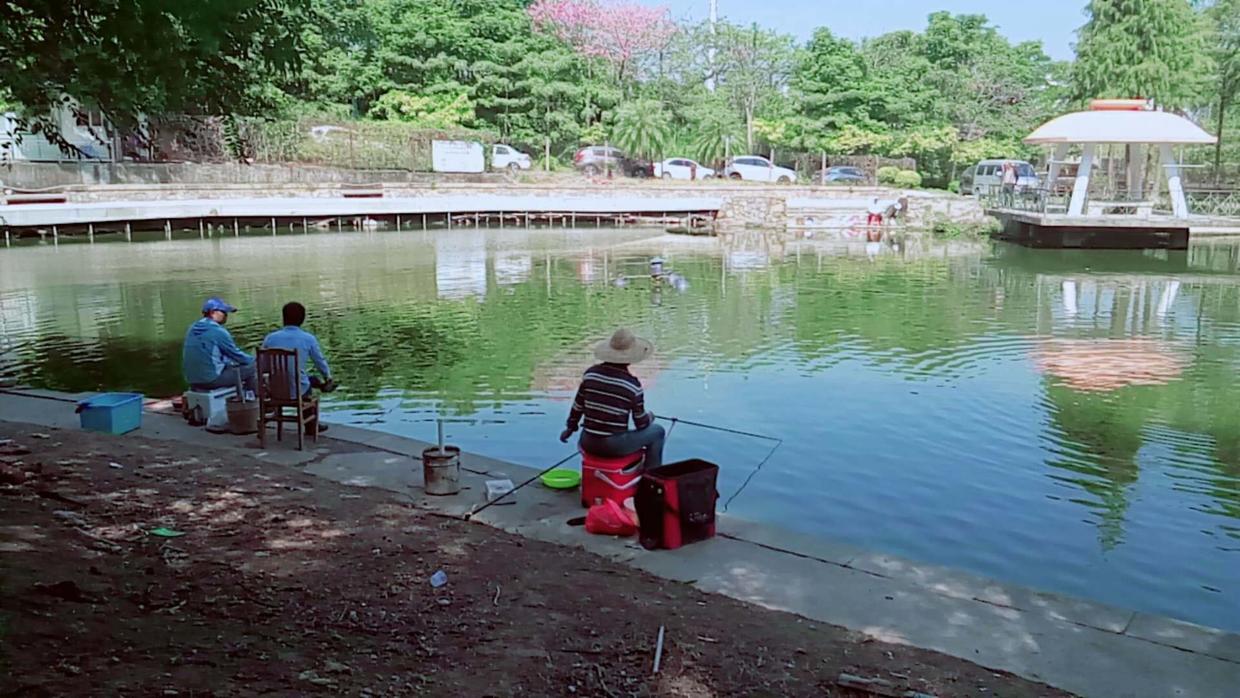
(1064,420)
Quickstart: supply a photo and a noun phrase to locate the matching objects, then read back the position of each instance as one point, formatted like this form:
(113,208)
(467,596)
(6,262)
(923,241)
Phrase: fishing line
(33,396)
(778,442)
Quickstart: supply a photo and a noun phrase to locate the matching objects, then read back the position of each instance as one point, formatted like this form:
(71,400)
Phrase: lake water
(1064,420)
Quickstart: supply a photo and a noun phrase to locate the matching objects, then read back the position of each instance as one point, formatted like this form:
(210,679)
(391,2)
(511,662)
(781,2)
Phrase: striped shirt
(607,396)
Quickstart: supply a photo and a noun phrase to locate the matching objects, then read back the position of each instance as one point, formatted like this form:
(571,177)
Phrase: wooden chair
(279,390)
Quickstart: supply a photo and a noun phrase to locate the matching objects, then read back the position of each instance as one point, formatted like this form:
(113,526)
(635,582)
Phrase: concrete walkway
(297,208)
(1083,647)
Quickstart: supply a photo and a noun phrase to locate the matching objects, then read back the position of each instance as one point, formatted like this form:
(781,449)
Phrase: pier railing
(1024,199)
(1222,203)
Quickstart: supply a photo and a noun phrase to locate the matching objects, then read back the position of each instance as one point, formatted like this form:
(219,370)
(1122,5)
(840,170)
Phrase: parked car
(988,174)
(755,168)
(594,160)
(682,168)
(508,157)
(840,173)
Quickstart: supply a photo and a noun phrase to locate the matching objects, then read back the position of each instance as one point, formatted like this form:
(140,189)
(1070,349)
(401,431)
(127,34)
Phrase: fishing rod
(495,501)
(678,420)
(778,442)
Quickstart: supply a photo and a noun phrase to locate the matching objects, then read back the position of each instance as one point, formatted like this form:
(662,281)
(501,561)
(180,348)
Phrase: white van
(988,174)
(506,157)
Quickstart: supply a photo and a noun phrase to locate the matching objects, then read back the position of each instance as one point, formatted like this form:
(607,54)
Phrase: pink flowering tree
(620,32)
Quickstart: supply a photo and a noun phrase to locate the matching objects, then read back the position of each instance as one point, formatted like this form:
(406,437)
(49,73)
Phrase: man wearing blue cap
(210,358)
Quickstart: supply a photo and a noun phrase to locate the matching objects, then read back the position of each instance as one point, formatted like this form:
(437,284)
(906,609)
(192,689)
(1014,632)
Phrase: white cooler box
(213,405)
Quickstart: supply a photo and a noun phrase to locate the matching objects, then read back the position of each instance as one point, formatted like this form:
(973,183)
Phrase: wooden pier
(213,217)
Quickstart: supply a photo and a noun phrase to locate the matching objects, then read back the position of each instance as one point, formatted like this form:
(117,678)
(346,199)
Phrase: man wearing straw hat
(609,395)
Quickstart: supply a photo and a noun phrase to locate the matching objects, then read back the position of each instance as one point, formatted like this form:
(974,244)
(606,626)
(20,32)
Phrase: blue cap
(216,303)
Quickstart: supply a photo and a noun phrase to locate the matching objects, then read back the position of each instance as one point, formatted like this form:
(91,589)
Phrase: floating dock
(91,218)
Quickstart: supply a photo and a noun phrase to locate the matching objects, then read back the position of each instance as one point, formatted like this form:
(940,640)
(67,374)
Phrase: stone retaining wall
(744,204)
(42,175)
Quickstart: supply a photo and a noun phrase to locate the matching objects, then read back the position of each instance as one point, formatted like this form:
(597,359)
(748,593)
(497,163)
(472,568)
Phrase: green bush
(943,227)
(887,174)
(907,179)
(954,186)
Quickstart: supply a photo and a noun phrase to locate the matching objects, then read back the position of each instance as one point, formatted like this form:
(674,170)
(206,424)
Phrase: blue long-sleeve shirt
(208,350)
(293,338)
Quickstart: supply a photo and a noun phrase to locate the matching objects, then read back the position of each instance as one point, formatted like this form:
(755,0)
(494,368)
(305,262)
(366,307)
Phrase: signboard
(457,156)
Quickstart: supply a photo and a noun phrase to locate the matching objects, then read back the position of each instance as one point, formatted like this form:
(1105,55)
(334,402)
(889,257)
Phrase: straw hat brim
(641,350)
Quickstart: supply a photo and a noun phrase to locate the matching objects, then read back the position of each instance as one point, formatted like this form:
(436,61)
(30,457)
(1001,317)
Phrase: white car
(755,168)
(682,168)
(508,157)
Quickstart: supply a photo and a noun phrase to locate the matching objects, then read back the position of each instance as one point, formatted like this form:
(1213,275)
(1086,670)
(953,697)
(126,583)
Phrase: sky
(1053,22)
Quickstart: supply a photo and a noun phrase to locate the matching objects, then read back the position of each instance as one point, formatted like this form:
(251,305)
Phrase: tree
(642,129)
(1224,16)
(624,34)
(753,64)
(440,111)
(833,90)
(125,57)
(1152,49)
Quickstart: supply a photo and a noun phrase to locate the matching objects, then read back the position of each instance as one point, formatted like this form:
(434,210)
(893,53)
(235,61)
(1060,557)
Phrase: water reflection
(1061,419)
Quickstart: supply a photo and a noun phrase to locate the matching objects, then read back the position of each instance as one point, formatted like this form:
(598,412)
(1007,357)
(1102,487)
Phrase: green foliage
(888,174)
(1152,49)
(717,130)
(642,129)
(954,186)
(907,179)
(593,134)
(125,57)
(945,227)
(441,111)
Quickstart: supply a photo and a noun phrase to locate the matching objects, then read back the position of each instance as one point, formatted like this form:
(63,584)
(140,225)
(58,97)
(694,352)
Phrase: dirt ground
(284,583)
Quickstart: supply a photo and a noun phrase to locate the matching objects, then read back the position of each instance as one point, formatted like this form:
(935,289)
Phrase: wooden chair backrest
(279,374)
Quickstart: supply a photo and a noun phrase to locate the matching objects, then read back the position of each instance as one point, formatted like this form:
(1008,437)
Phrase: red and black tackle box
(676,504)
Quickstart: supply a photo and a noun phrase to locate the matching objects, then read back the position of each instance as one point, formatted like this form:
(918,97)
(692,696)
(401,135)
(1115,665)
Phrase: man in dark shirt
(609,395)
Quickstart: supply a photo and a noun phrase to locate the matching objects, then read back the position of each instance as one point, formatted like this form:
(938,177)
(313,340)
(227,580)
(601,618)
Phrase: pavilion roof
(1152,127)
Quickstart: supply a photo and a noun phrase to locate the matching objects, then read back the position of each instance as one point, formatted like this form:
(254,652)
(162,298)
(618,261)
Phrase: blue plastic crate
(111,413)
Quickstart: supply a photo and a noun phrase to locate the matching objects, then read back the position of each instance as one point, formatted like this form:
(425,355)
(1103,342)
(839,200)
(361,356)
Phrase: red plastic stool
(610,478)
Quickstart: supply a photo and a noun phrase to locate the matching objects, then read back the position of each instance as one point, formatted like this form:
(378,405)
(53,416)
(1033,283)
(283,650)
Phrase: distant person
(874,215)
(609,395)
(210,358)
(1009,179)
(292,338)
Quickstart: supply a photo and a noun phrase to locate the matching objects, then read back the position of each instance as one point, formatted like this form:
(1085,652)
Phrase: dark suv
(594,160)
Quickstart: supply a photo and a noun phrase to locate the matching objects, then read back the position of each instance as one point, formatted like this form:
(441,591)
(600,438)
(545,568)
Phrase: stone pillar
(1080,190)
(1175,188)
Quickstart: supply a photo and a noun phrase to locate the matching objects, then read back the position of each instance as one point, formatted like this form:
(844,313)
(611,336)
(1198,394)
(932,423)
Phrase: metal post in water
(6,237)
(201,229)
(501,220)
(305,229)
(167,229)
(273,226)
(449,221)
(527,219)
(236,229)
(573,219)
(55,234)
(128,231)
(398,222)
(90,231)
(339,225)
(423,221)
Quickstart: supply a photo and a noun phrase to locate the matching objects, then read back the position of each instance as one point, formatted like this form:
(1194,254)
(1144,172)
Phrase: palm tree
(642,129)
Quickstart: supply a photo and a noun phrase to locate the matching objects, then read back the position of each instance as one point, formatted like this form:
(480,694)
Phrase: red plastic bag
(610,519)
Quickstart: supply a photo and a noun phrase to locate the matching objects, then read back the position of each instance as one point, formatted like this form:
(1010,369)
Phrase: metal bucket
(242,416)
(441,470)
